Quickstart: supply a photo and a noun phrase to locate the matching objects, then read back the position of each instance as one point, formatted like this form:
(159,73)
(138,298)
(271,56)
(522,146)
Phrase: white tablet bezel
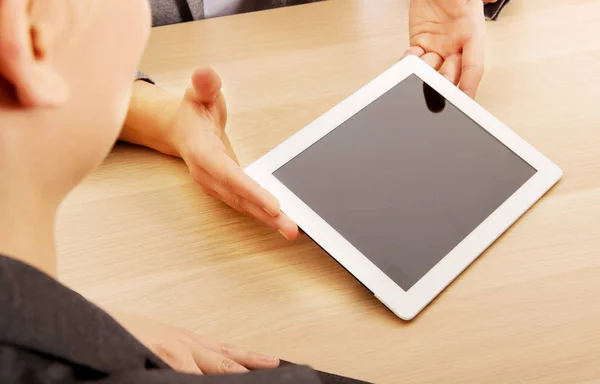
(405,304)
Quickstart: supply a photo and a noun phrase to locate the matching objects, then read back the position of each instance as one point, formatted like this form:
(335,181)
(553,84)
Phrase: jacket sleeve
(285,375)
(49,333)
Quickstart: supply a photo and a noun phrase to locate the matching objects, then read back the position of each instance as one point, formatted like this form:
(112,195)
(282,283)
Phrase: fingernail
(283,234)
(268,359)
(269,212)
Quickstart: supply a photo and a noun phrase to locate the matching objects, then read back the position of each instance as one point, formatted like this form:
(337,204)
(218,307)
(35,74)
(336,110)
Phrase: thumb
(206,86)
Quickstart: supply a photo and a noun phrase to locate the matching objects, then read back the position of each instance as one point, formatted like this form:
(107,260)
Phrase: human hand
(187,352)
(449,36)
(199,129)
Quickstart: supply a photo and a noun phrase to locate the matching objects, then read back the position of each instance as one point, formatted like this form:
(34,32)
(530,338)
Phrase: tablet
(405,183)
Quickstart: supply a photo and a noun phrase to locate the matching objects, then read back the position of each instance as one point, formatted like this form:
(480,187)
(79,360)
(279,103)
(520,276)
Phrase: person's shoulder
(44,317)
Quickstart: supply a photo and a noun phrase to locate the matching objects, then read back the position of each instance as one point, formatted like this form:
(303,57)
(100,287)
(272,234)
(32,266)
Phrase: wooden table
(139,234)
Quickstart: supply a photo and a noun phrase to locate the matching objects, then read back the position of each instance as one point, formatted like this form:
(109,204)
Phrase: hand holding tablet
(405,183)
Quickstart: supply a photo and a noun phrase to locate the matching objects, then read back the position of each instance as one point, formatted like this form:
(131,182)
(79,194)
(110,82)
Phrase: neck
(27,228)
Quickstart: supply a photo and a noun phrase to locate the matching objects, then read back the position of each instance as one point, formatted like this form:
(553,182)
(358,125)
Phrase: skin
(447,34)
(193,128)
(62,106)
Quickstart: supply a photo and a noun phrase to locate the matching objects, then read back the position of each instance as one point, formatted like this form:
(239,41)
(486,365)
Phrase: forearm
(149,119)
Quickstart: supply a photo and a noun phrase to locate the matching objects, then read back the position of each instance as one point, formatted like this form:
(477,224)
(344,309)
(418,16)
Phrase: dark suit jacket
(50,334)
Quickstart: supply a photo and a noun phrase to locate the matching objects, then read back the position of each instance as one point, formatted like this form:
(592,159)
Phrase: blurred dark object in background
(492,10)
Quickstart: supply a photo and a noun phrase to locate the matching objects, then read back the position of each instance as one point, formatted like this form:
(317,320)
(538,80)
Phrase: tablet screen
(406,179)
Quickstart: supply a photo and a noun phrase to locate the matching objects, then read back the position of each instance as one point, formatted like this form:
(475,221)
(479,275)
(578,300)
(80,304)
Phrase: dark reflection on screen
(434,101)
(406,179)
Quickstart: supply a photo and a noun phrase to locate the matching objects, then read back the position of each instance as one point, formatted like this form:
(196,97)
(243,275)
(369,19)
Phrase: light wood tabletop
(139,234)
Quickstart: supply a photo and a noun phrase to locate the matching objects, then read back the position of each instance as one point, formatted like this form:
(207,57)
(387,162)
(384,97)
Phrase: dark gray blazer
(51,335)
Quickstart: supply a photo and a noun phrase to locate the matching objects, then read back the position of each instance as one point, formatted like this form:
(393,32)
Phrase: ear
(24,60)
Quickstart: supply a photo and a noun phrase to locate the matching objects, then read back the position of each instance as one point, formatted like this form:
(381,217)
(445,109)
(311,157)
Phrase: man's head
(66,72)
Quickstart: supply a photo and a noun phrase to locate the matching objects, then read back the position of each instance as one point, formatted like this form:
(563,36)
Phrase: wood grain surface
(138,234)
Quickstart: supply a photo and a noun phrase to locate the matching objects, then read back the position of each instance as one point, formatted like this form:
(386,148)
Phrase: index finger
(472,66)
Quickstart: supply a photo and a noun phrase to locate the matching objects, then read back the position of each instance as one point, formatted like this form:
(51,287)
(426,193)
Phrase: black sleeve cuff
(143,77)
(492,10)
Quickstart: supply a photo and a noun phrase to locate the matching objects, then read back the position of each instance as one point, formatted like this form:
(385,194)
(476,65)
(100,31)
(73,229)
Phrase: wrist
(167,139)
(150,118)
